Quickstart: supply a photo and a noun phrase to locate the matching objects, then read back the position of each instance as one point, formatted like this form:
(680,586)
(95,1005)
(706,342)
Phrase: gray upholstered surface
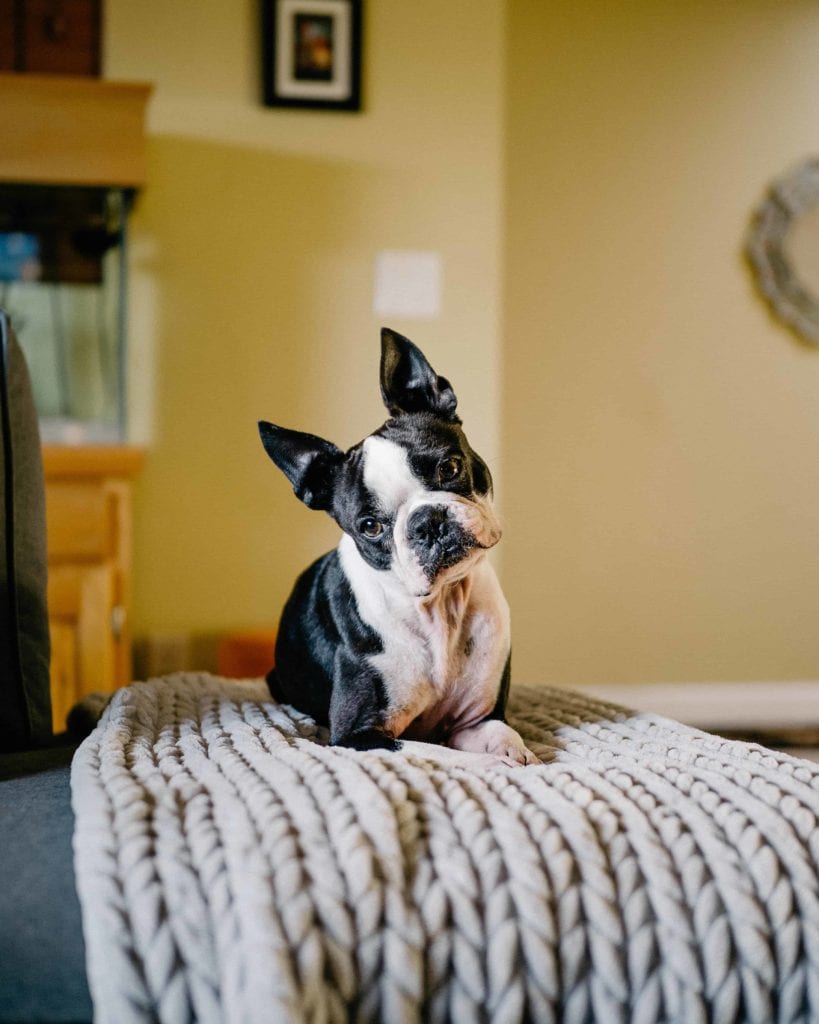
(42,954)
(234,868)
(25,701)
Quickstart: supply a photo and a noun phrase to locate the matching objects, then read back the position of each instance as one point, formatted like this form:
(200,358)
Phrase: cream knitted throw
(232,867)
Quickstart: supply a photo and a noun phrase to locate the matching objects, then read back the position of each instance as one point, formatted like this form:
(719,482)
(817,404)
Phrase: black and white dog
(403,630)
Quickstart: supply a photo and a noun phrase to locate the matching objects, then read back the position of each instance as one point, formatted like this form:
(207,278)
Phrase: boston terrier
(402,630)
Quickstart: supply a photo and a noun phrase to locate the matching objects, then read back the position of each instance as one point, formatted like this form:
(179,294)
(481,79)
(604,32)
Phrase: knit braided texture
(233,867)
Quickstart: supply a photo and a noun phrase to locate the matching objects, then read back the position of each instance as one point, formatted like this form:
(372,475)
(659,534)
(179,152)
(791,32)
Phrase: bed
(232,866)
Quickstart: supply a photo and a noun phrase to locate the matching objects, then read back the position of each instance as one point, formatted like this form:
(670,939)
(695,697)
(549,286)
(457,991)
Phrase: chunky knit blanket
(233,867)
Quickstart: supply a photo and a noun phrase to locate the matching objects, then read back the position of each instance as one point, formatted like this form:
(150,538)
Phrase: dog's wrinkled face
(414,497)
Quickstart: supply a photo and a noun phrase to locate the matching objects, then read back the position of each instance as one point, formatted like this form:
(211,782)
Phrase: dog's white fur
(445,648)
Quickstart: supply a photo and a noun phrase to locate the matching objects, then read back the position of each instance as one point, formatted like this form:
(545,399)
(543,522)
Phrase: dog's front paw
(367,739)
(496,738)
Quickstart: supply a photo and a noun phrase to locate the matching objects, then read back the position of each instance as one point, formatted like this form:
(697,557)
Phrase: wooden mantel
(72,130)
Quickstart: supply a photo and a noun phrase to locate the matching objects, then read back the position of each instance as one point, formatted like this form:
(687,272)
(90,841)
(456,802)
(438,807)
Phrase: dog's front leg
(492,736)
(357,706)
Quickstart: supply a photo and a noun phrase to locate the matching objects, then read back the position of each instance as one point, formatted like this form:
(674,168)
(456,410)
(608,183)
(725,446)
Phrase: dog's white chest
(442,657)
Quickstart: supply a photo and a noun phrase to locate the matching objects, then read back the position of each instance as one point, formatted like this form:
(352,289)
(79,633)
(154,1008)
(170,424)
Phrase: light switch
(407,284)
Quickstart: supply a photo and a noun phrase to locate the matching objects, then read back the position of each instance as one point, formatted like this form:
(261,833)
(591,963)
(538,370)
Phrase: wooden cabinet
(55,37)
(88,521)
(70,130)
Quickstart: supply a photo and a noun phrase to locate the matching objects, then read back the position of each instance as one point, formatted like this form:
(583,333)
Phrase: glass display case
(62,281)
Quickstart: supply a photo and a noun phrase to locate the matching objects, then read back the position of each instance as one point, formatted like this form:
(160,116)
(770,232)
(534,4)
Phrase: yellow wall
(661,432)
(252,265)
(587,171)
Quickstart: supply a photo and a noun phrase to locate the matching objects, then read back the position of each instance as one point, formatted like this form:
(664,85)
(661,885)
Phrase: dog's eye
(370,527)
(450,469)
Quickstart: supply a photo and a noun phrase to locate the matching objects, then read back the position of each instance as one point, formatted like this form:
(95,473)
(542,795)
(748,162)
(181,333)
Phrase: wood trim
(92,461)
(71,130)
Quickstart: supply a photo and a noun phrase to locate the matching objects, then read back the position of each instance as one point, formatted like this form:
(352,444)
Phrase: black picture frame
(311,54)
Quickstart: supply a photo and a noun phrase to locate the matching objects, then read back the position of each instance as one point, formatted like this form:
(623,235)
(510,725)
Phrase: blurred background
(583,177)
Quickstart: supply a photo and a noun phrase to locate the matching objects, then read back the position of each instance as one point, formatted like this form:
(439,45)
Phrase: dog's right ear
(310,463)
(408,382)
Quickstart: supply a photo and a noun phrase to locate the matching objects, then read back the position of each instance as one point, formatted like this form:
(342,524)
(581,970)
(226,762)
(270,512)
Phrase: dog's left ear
(408,382)
(310,463)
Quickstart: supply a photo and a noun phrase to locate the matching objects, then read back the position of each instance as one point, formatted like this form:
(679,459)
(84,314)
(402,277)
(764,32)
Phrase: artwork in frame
(311,52)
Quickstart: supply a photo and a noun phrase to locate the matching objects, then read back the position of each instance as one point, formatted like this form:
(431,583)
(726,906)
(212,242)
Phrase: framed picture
(311,53)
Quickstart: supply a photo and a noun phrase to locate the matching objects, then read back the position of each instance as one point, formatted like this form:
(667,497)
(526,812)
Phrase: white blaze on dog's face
(425,510)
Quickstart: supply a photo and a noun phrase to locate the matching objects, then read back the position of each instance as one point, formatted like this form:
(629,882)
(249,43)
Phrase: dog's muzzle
(437,539)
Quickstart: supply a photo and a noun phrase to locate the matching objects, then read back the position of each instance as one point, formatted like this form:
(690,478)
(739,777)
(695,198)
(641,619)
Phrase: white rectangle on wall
(407,284)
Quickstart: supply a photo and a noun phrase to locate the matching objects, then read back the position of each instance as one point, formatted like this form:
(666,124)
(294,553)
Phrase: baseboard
(781,704)
(783,715)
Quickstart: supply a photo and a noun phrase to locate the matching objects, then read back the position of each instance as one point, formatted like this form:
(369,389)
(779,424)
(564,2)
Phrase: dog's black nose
(428,525)
(437,539)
